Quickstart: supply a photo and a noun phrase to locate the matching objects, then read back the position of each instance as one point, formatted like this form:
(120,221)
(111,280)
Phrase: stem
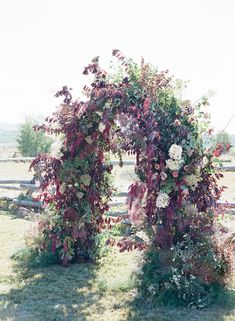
(228,123)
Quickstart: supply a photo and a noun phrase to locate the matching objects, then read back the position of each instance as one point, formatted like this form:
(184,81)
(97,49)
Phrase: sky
(44,44)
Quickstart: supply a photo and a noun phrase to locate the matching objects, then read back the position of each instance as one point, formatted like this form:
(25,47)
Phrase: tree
(31,142)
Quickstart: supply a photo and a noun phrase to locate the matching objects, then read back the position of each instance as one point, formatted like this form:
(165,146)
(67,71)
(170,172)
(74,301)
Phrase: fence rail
(17,160)
(30,187)
(15,181)
(229,168)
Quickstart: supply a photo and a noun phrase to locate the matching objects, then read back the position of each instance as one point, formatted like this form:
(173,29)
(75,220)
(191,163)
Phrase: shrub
(31,142)
(189,273)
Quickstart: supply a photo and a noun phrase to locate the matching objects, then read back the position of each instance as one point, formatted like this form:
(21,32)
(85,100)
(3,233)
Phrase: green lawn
(84,292)
(103,292)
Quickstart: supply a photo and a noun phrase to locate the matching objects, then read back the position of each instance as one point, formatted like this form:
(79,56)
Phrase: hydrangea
(80,195)
(101,127)
(89,140)
(191,180)
(162,200)
(86,179)
(173,165)
(175,152)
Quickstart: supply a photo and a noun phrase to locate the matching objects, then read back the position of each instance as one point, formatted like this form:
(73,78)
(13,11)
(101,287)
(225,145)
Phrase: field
(102,292)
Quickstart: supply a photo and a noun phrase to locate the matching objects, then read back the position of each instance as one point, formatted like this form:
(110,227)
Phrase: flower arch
(134,111)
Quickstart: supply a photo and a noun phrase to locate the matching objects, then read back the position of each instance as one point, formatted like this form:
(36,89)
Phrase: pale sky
(44,44)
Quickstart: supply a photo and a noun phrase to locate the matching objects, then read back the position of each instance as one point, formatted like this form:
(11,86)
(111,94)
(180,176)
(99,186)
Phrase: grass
(104,292)
(7,148)
(81,292)
(14,171)
(229,181)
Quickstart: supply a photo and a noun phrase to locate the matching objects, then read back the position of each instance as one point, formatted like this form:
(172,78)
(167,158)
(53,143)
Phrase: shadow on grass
(50,293)
(77,293)
(81,292)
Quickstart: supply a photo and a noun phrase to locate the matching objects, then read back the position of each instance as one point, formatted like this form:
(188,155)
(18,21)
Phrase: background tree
(31,142)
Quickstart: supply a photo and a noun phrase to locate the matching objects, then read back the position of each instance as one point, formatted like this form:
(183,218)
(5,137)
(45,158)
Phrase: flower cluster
(175,161)
(191,180)
(173,165)
(86,179)
(162,200)
(175,152)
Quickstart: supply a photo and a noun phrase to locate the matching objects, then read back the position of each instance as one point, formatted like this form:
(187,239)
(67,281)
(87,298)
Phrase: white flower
(80,195)
(151,289)
(175,152)
(89,140)
(173,165)
(86,179)
(204,161)
(142,235)
(99,113)
(191,180)
(138,270)
(162,200)
(101,127)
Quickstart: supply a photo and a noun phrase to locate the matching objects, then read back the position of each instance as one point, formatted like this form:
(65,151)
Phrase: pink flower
(177,122)
(190,120)
(175,174)
(146,105)
(163,176)
(157,166)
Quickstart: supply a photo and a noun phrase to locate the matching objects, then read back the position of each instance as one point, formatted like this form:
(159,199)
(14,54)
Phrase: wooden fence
(30,186)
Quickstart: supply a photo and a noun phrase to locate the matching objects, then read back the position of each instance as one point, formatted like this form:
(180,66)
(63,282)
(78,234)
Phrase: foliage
(31,142)
(188,273)
(174,201)
(221,143)
(29,258)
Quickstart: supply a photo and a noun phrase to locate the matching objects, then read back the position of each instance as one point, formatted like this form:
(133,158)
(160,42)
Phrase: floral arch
(134,111)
